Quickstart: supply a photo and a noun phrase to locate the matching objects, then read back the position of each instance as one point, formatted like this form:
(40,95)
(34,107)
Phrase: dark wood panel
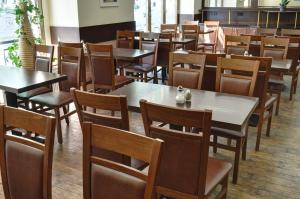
(65,34)
(101,33)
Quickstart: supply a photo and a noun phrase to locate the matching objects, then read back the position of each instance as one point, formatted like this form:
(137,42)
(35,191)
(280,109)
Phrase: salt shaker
(188,95)
(180,96)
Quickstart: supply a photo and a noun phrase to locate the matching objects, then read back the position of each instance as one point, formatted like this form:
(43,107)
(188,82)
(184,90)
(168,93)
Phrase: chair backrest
(169,28)
(125,39)
(102,65)
(188,22)
(267,31)
(70,67)
(43,56)
(186,77)
(26,165)
(149,41)
(261,85)
(191,32)
(230,77)
(237,44)
(274,47)
(106,179)
(85,73)
(84,100)
(290,32)
(213,25)
(294,52)
(184,158)
(164,49)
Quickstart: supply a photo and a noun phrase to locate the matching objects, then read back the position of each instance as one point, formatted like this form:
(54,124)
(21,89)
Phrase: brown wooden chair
(187,77)
(264,110)
(267,31)
(164,48)
(85,77)
(276,48)
(148,41)
(238,84)
(190,32)
(43,56)
(26,165)
(106,104)
(213,25)
(62,98)
(169,28)
(185,171)
(103,178)
(103,69)
(125,39)
(237,45)
(209,76)
(294,53)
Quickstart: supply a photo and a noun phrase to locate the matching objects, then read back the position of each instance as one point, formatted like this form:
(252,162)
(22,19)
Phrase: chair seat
(34,92)
(53,99)
(122,81)
(216,171)
(270,100)
(140,68)
(222,131)
(276,79)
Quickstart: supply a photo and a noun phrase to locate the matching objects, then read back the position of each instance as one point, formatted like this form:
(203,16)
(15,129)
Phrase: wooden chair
(264,110)
(185,170)
(125,39)
(106,104)
(237,45)
(190,32)
(276,48)
(43,56)
(164,48)
(189,22)
(209,76)
(103,69)
(103,178)
(85,78)
(290,32)
(169,28)
(26,165)
(187,77)
(238,84)
(294,53)
(213,25)
(148,41)
(62,98)
(267,31)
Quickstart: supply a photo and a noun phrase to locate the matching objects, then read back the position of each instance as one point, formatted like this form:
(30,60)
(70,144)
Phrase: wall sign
(109,3)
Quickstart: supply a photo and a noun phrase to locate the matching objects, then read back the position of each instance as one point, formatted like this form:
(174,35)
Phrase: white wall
(63,13)
(198,6)
(91,14)
(187,7)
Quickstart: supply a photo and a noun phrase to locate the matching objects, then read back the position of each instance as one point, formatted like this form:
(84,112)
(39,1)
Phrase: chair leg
(295,86)
(58,125)
(237,160)
(259,130)
(292,89)
(215,148)
(65,112)
(225,187)
(155,80)
(145,77)
(269,121)
(278,103)
(26,104)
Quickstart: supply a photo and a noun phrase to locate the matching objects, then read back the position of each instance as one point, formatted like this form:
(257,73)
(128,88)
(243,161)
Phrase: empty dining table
(232,111)
(17,80)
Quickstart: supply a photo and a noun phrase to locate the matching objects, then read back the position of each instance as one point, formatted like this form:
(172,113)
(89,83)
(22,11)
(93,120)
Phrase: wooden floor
(272,173)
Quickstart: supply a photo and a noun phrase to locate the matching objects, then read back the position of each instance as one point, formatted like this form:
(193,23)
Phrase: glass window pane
(141,14)
(228,3)
(156,15)
(171,11)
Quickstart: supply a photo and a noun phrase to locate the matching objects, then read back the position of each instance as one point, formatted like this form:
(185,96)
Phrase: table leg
(11,99)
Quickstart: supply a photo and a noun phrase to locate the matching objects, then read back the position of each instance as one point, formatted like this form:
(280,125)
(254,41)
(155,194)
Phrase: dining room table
(230,111)
(17,80)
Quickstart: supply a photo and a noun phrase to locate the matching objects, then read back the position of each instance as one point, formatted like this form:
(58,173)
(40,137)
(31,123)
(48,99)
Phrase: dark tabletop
(178,40)
(15,80)
(230,110)
(283,65)
(124,53)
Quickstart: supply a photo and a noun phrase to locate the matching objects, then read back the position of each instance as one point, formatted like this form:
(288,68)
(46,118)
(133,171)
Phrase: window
(159,11)
(228,3)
